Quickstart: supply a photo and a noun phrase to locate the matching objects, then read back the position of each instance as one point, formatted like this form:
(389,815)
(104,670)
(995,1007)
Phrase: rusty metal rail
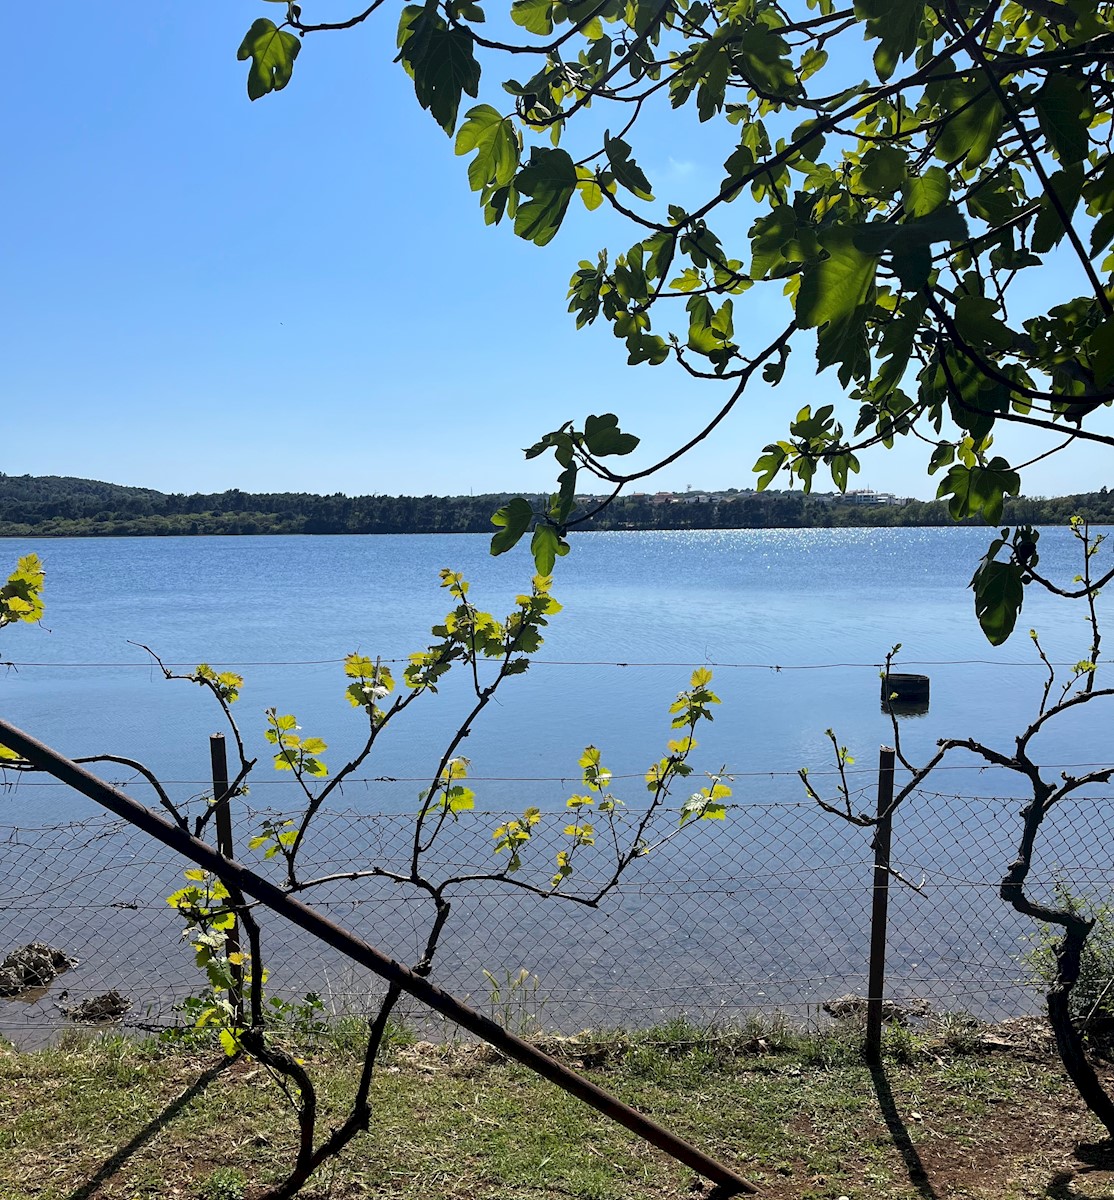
(46,759)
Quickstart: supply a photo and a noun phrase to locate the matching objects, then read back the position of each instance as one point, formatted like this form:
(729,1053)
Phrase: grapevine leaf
(515,519)
(999,594)
(493,138)
(625,169)
(440,60)
(272,52)
(549,179)
(1063,108)
(897,26)
(602,436)
(546,545)
(979,489)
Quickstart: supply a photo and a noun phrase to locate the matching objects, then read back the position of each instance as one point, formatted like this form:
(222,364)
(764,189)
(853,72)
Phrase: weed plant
(1092,998)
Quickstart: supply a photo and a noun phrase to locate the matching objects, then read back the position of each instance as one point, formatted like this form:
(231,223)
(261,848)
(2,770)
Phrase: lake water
(795,623)
(763,598)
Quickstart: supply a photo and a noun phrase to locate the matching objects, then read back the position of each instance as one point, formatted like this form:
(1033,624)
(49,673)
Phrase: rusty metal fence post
(218,757)
(876,980)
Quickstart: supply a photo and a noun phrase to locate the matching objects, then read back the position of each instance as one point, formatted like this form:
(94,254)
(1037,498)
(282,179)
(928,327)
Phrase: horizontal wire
(963,985)
(559,662)
(577,778)
(762,880)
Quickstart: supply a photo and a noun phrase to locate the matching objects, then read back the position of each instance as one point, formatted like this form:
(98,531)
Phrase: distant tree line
(61,506)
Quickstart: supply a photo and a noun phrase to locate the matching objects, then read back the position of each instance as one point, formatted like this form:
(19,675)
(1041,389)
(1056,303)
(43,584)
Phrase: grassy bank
(955,1112)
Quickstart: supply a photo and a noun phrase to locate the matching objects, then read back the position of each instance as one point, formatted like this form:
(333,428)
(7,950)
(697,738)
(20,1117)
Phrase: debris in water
(32,966)
(853,1008)
(109,1007)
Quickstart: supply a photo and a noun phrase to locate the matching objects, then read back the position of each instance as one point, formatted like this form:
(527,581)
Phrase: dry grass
(954,1113)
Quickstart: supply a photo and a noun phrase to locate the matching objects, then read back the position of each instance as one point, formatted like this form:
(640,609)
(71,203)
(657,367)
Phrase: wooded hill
(62,506)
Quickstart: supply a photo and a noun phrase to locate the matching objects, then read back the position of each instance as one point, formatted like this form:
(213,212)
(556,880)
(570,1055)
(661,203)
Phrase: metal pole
(876,982)
(366,955)
(222,801)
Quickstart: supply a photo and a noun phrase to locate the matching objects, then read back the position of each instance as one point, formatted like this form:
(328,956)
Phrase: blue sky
(300,294)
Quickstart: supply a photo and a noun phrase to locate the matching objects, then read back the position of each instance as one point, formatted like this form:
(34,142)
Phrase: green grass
(800,1115)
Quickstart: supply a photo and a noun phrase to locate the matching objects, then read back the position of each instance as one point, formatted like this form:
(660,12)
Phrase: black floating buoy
(905,695)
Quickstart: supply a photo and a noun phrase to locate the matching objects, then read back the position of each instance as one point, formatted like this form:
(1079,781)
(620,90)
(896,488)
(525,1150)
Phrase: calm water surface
(765,599)
(768,909)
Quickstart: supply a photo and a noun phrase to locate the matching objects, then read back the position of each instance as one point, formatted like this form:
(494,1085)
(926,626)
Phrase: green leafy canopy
(893,175)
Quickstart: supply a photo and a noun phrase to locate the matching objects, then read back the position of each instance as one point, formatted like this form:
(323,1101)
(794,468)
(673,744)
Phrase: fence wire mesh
(767,910)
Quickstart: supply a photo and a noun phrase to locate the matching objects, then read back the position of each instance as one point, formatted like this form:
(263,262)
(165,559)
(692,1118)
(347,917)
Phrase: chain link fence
(767,910)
